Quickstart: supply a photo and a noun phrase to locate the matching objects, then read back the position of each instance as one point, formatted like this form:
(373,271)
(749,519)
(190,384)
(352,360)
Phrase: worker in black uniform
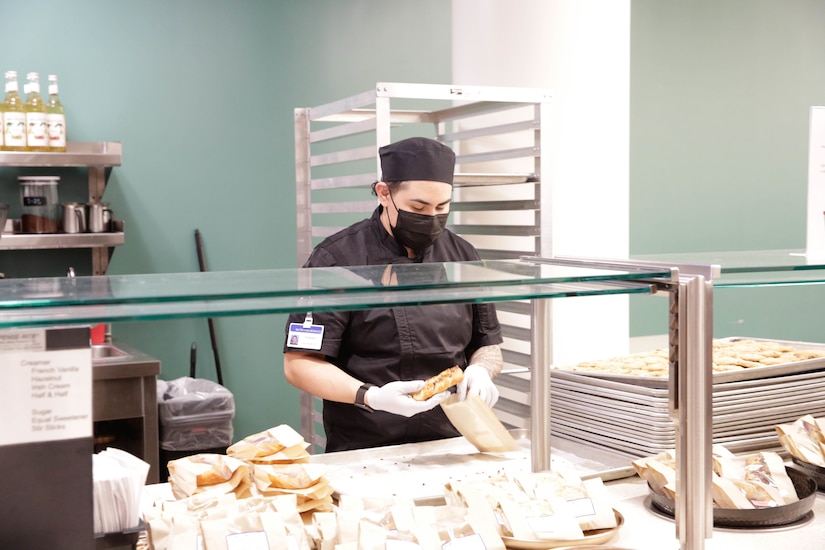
(367,363)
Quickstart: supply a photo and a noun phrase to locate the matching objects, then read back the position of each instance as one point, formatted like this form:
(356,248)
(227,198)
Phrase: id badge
(305,336)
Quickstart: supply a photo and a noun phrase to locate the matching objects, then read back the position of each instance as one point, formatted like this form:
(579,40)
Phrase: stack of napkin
(119,478)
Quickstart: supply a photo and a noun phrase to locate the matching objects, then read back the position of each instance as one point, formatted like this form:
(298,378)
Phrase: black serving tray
(120,540)
(816,472)
(804,484)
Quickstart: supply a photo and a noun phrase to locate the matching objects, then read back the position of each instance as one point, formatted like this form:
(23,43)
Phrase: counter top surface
(365,472)
(645,529)
(420,470)
(134,363)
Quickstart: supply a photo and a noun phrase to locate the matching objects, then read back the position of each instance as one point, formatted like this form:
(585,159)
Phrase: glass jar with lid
(40,204)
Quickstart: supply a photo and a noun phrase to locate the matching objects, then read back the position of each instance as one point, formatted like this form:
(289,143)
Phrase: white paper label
(57,129)
(253,540)
(37,128)
(14,127)
(543,526)
(46,395)
(392,544)
(23,340)
(582,507)
(815,244)
(470,542)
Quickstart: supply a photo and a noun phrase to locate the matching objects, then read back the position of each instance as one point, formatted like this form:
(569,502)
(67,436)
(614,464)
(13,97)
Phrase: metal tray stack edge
(630,415)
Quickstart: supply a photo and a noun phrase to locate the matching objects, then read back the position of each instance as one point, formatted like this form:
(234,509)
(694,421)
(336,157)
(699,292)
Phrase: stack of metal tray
(629,414)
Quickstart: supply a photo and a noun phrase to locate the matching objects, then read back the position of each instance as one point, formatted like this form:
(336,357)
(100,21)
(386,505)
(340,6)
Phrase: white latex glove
(477,380)
(395,398)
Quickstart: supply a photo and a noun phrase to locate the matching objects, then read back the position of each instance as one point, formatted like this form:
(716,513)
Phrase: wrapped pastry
(659,471)
(768,469)
(267,443)
(209,472)
(540,519)
(804,439)
(287,476)
(253,530)
(757,480)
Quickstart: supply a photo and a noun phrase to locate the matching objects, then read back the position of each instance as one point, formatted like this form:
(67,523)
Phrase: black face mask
(417,231)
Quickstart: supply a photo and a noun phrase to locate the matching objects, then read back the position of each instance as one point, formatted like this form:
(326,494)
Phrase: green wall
(201,93)
(719,112)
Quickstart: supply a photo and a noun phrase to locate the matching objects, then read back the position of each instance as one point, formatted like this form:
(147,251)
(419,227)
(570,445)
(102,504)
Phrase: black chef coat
(382,345)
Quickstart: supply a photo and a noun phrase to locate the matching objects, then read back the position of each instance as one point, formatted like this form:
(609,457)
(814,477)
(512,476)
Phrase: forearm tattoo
(490,358)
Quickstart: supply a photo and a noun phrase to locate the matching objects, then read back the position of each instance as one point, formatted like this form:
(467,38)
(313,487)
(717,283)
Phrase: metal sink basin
(103,353)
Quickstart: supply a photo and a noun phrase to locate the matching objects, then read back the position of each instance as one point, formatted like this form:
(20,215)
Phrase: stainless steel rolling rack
(497,205)
(336,161)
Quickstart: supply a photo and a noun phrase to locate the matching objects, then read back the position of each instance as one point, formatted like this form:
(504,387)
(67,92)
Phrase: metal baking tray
(779,383)
(633,392)
(791,390)
(770,411)
(630,414)
(611,428)
(632,449)
(643,446)
(639,439)
(587,404)
(723,377)
(602,422)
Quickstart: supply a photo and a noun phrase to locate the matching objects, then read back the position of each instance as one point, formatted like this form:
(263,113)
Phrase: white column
(580,50)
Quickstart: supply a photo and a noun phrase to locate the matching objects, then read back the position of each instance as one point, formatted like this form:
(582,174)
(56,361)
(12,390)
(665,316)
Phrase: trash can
(194,416)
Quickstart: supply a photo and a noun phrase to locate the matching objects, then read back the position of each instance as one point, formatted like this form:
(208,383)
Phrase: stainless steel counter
(645,529)
(124,402)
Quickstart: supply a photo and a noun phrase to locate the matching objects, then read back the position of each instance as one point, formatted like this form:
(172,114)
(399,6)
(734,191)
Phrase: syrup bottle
(56,118)
(37,127)
(14,119)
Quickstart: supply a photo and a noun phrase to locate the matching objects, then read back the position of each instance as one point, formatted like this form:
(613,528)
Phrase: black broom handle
(212,337)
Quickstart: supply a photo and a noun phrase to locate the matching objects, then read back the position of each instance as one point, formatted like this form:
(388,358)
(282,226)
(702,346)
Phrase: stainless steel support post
(691,409)
(541,350)
(303,185)
(97,185)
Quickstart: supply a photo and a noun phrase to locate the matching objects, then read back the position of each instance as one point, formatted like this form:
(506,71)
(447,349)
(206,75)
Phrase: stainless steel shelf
(78,153)
(97,158)
(24,241)
(40,241)
(476,179)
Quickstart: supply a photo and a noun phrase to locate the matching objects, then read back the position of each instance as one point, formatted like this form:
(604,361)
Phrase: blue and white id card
(305,336)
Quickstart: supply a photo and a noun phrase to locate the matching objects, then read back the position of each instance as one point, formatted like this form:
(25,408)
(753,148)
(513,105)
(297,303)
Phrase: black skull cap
(417,158)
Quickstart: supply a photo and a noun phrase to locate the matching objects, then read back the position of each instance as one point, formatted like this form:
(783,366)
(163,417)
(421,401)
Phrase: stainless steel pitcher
(100,217)
(74,217)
